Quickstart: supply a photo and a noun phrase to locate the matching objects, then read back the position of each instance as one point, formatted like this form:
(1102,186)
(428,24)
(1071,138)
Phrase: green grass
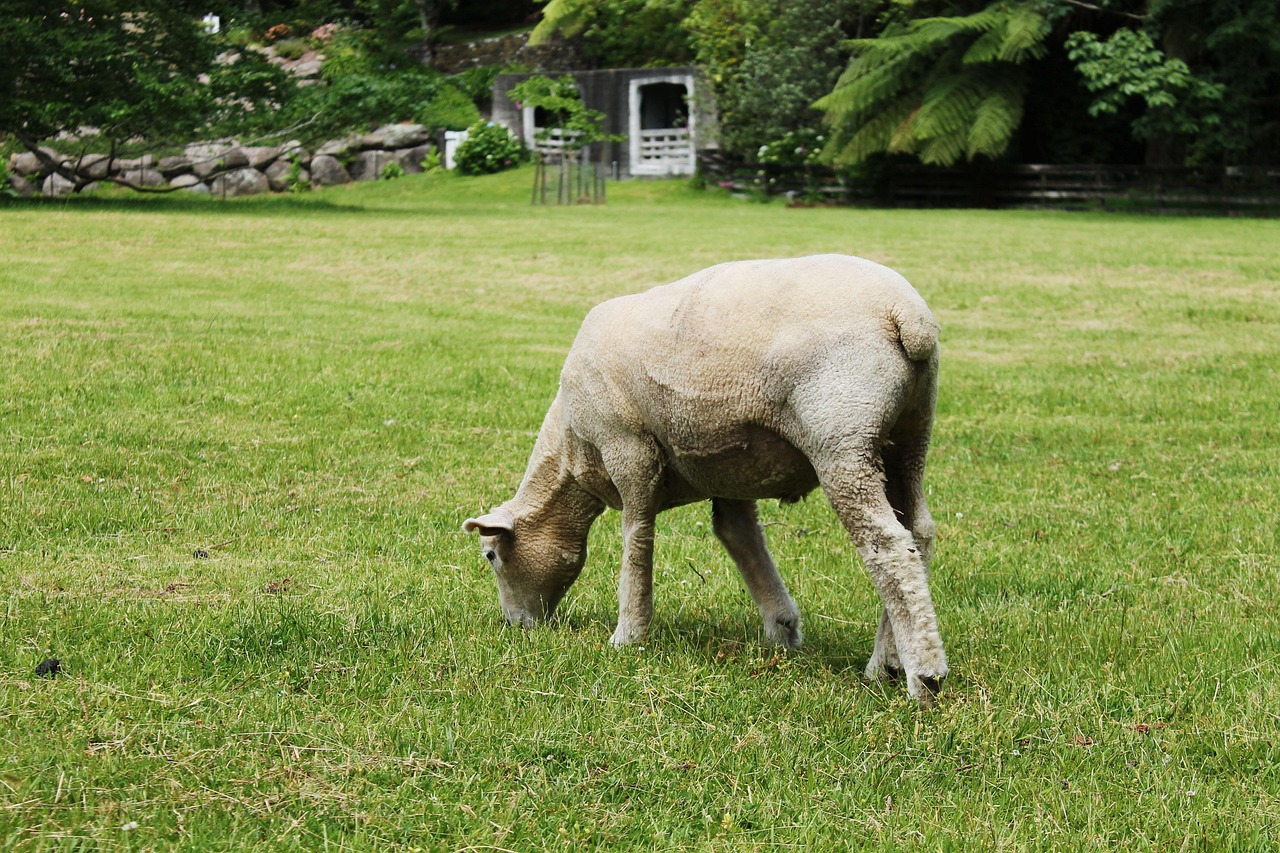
(238,439)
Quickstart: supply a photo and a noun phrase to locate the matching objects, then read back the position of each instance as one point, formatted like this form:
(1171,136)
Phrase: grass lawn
(238,440)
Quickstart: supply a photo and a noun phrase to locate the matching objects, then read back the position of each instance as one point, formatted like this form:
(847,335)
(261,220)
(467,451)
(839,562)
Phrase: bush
(291,48)
(448,109)
(488,148)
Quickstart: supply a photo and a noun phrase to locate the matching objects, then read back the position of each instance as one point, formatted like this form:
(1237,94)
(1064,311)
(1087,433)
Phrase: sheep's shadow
(840,646)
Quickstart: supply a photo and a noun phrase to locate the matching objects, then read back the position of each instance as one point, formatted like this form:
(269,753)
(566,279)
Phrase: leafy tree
(563,104)
(941,88)
(129,69)
(619,33)
(769,61)
(1128,65)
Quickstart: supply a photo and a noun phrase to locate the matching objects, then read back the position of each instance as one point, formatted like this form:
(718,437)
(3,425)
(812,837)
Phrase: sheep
(746,381)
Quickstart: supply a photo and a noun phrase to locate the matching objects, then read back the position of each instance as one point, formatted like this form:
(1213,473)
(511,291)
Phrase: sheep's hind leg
(897,569)
(737,526)
(884,664)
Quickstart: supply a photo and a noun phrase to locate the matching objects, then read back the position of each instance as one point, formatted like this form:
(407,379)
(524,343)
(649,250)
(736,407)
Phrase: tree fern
(943,89)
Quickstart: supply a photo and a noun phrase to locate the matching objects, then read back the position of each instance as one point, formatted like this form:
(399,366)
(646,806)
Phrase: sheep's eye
(490,555)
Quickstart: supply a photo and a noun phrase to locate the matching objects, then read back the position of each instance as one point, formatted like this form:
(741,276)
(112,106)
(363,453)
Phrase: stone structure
(227,169)
(665,114)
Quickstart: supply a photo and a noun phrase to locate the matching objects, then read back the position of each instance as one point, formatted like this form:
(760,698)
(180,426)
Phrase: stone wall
(227,169)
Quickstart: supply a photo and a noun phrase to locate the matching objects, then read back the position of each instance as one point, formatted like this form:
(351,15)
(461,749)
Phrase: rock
(171,167)
(133,164)
(293,150)
(236,158)
(144,177)
(184,181)
(259,157)
(326,170)
(335,147)
(368,165)
(306,68)
(204,169)
(278,176)
(410,159)
(56,186)
(95,166)
(395,136)
(200,188)
(240,182)
(48,668)
(28,165)
(22,186)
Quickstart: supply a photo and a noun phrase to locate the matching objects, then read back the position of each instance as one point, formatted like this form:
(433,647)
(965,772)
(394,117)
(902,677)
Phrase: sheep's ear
(496,522)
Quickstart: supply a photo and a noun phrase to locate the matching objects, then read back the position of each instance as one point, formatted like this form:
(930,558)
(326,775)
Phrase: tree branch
(1092,8)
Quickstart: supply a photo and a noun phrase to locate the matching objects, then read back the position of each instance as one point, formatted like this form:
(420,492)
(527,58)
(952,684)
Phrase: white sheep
(748,380)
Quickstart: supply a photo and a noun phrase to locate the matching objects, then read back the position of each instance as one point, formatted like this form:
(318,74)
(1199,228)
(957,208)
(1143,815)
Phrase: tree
(941,88)
(619,33)
(127,69)
(769,61)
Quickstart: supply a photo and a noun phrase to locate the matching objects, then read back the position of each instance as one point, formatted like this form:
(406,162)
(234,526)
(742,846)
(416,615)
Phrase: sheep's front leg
(635,583)
(737,526)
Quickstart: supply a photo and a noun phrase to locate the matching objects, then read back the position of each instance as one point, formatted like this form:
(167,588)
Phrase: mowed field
(238,441)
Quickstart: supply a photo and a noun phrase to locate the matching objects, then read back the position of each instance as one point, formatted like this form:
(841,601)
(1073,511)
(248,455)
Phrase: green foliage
(794,148)
(1129,66)
(391,172)
(448,109)
(620,33)
(295,179)
(565,109)
(291,48)
(488,148)
(62,69)
(768,62)
(943,89)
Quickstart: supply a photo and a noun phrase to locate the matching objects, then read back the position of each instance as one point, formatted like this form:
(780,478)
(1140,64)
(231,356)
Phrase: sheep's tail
(918,332)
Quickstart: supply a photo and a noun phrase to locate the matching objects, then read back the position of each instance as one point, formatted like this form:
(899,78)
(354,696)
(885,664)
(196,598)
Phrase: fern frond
(1025,31)
(996,117)
(562,18)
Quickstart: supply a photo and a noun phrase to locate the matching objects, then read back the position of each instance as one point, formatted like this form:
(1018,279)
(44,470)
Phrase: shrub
(291,48)
(448,109)
(391,171)
(488,148)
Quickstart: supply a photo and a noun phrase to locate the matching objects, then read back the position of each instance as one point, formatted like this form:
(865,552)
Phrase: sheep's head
(534,564)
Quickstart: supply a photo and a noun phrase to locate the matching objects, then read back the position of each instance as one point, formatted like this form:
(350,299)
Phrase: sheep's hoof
(784,631)
(883,672)
(925,688)
(624,636)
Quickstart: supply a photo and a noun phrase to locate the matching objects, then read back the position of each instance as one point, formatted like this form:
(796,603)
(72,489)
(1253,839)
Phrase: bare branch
(1092,8)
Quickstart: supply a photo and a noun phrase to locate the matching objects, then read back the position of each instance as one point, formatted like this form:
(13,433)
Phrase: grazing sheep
(748,380)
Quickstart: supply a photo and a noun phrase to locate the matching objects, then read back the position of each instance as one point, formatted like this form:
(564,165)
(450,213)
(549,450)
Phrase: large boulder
(396,136)
(133,164)
(236,158)
(94,166)
(22,186)
(336,147)
(326,170)
(278,176)
(261,156)
(410,159)
(145,177)
(29,165)
(56,186)
(182,182)
(240,182)
(179,164)
(293,150)
(368,165)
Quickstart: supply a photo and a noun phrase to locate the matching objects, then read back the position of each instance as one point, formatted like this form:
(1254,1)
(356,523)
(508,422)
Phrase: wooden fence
(1219,190)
